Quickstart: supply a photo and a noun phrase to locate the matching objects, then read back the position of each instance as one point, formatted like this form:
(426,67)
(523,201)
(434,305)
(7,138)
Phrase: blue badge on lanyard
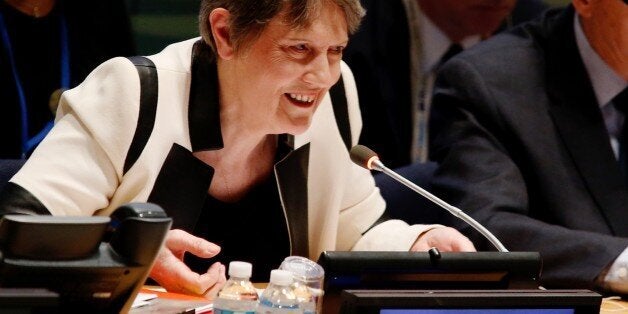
(28,143)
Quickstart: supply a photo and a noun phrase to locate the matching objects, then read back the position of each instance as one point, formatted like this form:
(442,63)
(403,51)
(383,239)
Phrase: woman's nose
(321,72)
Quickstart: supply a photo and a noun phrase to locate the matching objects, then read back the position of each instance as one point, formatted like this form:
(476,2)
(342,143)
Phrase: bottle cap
(280,277)
(304,270)
(240,269)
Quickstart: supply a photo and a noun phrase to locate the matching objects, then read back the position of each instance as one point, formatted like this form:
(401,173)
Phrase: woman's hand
(173,275)
(445,239)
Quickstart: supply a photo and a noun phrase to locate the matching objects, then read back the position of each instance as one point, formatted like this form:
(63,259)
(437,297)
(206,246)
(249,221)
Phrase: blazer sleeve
(78,166)
(363,205)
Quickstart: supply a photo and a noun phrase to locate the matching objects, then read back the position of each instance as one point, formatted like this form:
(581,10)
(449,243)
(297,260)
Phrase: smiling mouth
(301,100)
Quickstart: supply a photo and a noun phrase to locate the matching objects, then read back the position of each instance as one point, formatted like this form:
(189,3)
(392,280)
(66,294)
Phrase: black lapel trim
(341,111)
(292,181)
(149,88)
(204,105)
(14,199)
(181,187)
(580,123)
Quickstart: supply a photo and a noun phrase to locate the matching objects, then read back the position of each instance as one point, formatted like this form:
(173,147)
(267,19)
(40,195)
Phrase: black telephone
(92,264)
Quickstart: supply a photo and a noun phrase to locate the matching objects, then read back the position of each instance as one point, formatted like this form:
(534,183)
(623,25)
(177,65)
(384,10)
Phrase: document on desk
(143,299)
(168,302)
(200,309)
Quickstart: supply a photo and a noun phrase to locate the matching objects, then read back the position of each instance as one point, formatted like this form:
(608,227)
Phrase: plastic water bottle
(238,295)
(279,298)
(308,282)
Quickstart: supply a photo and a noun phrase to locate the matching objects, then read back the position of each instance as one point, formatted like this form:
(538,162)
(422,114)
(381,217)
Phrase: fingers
(216,275)
(179,242)
(165,271)
(173,275)
(464,245)
(445,239)
(419,246)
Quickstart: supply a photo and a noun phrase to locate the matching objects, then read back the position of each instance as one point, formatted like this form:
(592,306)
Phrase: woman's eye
(337,50)
(299,48)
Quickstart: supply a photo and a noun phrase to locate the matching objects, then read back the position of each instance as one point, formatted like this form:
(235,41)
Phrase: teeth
(302,98)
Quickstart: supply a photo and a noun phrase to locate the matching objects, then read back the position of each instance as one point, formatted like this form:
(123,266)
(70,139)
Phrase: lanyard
(28,143)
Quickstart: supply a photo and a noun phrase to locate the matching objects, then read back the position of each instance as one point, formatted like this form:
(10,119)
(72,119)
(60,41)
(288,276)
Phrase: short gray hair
(250,17)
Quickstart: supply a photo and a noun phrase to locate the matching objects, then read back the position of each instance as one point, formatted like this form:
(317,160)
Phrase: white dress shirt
(428,44)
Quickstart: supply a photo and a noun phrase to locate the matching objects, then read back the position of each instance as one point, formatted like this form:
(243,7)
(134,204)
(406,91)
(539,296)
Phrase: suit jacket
(379,56)
(97,31)
(329,202)
(523,148)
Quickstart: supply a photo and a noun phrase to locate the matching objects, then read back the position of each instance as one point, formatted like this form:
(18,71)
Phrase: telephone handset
(92,263)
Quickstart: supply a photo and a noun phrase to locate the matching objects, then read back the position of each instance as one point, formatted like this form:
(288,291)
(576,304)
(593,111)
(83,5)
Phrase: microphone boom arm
(376,164)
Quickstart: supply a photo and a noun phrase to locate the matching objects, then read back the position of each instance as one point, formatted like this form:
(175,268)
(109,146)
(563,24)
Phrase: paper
(143,299)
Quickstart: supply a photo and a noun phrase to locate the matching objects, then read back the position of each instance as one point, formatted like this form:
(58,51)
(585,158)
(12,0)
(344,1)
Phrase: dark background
(157,23)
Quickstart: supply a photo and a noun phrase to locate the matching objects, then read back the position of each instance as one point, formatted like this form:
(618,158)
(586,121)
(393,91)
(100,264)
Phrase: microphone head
(363,156)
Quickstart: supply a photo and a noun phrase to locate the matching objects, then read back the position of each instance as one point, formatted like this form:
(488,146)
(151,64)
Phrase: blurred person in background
(49,46)
(394,57)
(396,52)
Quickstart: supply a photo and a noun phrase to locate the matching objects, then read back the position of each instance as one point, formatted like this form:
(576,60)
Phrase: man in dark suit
(527,131)
(394,56)
(396,48)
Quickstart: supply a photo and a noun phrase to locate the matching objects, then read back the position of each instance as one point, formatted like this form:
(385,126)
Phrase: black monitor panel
(422,270)
(470,302)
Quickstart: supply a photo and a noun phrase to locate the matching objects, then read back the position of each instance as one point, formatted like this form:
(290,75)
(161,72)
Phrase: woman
(245,152)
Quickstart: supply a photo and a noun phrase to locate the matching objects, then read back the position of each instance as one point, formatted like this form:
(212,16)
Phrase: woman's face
(285,73)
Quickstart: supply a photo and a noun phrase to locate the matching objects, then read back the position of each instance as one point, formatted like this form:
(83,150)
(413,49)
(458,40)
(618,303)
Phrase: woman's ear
(219,21)
(583,7)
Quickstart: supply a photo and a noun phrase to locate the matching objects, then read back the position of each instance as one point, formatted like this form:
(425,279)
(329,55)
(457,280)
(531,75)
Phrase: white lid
(240,269)
(280,277)
(303,269)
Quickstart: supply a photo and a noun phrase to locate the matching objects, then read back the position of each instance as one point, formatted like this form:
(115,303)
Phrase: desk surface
(614,305)
(177,303)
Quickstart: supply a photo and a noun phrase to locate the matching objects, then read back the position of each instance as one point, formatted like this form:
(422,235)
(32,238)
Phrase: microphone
(365,157)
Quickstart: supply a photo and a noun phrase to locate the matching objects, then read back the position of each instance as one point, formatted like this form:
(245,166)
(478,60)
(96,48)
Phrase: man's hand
(445,239)
(173,275)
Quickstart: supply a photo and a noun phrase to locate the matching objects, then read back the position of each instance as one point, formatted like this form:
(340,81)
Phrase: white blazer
(78,168)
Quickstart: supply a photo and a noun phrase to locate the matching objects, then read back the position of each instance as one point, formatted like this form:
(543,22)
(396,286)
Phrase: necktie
(621,103)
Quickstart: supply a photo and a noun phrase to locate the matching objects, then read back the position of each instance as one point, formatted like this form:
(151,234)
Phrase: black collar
(204,104)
